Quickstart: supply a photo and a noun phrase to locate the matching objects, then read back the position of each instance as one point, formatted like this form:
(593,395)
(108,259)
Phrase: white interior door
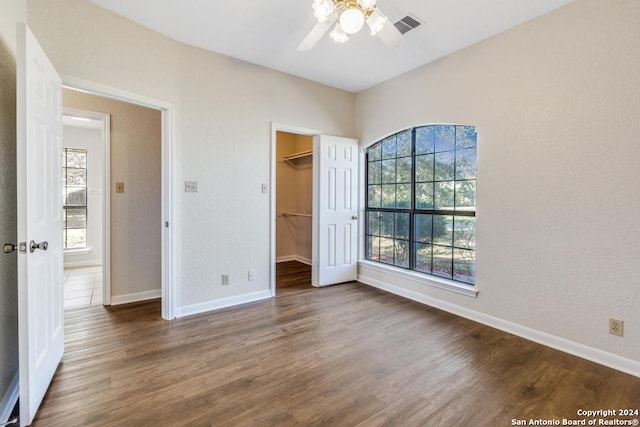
(39,175)
(335,210)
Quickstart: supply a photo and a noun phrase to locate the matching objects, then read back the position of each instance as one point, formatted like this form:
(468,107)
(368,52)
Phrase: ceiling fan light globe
(322,3)
(376,21)
(367,4)
(338,35)
(352,20)
(322,9)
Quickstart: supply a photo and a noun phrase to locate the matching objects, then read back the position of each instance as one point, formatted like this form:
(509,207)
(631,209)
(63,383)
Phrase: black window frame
(460,175)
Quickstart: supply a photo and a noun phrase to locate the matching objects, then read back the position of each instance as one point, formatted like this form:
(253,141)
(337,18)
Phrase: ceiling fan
(349,17)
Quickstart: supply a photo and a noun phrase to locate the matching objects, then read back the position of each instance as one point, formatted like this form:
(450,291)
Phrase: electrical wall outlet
(252,275)
(191,186)
(225,279)
(616,327)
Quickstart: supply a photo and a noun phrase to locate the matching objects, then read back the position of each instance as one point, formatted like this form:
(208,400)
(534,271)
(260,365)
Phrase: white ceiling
(267,32)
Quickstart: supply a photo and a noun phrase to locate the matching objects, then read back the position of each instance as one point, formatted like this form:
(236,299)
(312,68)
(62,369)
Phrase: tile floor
(82,286)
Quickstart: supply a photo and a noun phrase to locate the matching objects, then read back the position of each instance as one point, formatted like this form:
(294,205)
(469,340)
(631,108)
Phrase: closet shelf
(308,215)
(295,158)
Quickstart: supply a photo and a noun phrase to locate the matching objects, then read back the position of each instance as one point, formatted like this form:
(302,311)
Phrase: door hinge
(166,224)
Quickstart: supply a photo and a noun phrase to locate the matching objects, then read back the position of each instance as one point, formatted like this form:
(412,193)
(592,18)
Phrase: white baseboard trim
(9,400)
(136,297)
(76,264)
(293,258)
(222,303)
(601,357)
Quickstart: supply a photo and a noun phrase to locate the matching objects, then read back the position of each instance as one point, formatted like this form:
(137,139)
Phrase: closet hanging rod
(298,155)
(297,159)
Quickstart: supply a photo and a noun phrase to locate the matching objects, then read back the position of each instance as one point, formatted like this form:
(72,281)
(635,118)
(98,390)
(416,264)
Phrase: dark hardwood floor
(291,277)
(346,355)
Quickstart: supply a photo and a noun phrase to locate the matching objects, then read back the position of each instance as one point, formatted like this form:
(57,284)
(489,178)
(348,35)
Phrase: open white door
(335,210)
(39,176)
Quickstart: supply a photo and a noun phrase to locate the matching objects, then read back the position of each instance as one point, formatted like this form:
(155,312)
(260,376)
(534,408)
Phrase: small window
(74,196)
(421,201)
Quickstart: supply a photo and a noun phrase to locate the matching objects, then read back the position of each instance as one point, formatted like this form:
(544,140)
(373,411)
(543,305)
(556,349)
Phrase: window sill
(83,251)
(422,279)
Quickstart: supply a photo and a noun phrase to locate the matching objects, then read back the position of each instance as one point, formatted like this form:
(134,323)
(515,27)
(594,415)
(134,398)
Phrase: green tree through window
(421,201)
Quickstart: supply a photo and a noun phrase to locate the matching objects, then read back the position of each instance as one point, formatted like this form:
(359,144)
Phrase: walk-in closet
(294,180)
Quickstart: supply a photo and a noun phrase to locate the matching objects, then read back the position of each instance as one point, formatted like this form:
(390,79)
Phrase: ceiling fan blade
(390,35)
(317,32)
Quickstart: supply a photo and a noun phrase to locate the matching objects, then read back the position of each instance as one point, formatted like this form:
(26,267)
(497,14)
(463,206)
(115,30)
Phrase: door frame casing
(275,128)
(106,194)
(169,228)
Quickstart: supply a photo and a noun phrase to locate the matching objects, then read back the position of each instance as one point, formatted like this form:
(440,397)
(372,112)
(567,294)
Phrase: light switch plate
(191,186)
(119,187)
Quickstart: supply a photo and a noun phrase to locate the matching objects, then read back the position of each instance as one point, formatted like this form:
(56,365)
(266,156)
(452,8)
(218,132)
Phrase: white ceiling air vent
(407,24)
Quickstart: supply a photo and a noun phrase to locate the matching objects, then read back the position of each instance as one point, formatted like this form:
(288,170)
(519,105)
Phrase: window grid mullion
(395,205)
(413,201)
(453,220)
(433,200)
(366,206)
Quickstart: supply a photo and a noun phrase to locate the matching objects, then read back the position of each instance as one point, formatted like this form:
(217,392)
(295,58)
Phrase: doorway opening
(140,190)
(331,206)
(292,208)
(133,190)
(294,190)
(86,208)
(133,197)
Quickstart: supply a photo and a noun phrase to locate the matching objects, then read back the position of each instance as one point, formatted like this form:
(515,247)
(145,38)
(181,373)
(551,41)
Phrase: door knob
(9,247)
(42,245)
(354,216)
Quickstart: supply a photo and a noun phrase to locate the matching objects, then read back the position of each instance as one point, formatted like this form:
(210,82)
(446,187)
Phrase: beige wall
(556,106)
(224,110)
(136,223)
(12,11)
(294,194)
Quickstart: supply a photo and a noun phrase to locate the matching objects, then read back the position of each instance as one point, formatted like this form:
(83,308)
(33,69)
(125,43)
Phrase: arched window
(421,201)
